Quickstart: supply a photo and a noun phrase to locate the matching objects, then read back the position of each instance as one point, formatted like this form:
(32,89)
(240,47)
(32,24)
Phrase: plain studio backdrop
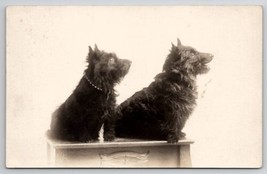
(47,48)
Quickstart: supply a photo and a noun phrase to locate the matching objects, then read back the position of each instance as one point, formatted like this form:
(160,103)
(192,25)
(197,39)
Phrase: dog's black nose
(211,56)
(128,61)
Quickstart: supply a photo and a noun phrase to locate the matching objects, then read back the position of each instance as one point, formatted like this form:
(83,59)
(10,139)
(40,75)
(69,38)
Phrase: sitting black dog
(160,111)
(92,103)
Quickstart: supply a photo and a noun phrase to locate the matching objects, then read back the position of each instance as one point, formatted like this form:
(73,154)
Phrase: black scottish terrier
(93,101)
(160,111)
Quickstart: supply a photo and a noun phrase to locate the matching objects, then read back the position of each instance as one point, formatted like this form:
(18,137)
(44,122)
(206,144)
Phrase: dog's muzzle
(206,57)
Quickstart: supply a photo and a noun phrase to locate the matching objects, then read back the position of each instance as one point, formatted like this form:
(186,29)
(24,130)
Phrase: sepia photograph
(134,86)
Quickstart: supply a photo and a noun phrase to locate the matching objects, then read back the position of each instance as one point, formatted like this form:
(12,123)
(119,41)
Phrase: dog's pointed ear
(90,54)
(91,50)
(178,42)
(173,46)
(96,49)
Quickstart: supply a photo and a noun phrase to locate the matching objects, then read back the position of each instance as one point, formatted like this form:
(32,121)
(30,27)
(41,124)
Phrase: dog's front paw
(87,139)
(172,139)
(109,137)
(92,141)
(182,135)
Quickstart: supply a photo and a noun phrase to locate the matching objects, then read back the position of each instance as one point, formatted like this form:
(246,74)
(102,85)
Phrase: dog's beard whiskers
(204,69)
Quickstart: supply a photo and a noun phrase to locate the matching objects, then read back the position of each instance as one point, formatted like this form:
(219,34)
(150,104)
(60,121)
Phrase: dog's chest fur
(175,94)
(90,98)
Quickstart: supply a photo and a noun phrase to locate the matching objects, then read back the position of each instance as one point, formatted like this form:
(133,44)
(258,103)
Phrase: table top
(118,142)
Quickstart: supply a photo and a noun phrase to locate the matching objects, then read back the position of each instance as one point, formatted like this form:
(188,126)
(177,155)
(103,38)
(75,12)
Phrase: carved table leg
(184,155)
(51,152)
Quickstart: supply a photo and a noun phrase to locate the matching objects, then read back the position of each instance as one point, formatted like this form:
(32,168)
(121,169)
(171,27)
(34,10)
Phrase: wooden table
(121,153)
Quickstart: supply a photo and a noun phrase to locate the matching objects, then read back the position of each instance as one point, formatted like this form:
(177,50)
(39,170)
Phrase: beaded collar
(91,83)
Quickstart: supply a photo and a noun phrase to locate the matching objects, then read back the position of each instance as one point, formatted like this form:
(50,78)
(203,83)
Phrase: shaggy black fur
(92,103)
(161,110)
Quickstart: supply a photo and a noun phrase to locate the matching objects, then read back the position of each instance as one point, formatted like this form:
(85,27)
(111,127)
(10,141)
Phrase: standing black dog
(93,101)
(161,110)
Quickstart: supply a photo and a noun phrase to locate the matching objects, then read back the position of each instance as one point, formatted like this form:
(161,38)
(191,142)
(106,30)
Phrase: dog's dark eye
(111,60)
(192,55)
